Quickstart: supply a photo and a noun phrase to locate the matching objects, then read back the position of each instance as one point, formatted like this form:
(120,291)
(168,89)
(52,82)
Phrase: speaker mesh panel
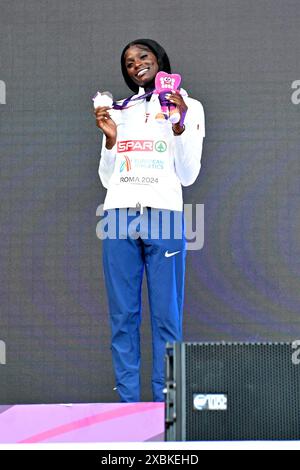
(262,386)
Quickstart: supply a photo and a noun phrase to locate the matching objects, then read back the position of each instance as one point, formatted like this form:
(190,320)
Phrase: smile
(142,72)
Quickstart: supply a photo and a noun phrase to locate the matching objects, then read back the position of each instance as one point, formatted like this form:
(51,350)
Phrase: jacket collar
(141,91)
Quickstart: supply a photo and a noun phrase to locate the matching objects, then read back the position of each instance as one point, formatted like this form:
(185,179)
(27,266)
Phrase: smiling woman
(143,165)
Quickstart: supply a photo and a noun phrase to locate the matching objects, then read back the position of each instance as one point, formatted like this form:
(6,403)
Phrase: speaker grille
(262,386)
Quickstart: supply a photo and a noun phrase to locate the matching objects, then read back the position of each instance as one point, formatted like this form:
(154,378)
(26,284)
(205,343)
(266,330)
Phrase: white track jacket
(148,165)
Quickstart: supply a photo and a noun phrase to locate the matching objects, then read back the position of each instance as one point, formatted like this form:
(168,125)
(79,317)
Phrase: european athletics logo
(126,164)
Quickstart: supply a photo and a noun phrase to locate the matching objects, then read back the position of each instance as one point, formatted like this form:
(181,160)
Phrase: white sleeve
(188,145)
(107,163)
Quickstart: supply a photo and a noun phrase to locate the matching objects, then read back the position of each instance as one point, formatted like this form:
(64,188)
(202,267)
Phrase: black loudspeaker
(232,391)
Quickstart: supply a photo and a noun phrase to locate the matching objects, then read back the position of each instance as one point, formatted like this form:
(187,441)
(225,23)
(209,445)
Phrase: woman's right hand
(107,125)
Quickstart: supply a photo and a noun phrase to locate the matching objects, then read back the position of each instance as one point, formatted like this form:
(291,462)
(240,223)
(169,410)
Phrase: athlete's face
(141,64)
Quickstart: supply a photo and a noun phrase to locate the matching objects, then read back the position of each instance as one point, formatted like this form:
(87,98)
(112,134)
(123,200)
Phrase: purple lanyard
(125,102)
(124,105)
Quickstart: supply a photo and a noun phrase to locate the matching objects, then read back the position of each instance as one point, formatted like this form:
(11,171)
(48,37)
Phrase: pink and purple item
(165,84)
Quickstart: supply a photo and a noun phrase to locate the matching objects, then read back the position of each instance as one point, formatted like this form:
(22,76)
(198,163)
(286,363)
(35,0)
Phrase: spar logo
(125,164)
(160,146)
(135,146)
(141,146)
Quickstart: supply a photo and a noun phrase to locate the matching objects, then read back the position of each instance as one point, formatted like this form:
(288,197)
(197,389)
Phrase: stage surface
(94,423)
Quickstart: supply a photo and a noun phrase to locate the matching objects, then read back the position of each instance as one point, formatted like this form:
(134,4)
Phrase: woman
(143,165)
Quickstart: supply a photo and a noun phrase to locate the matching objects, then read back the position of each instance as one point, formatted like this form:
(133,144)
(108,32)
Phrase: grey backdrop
(239,58)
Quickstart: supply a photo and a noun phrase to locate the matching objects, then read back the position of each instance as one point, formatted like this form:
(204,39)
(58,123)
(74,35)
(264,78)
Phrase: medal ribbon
(125,103)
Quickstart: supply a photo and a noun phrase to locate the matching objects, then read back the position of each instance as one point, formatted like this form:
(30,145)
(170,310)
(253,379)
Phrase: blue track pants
(124,260)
